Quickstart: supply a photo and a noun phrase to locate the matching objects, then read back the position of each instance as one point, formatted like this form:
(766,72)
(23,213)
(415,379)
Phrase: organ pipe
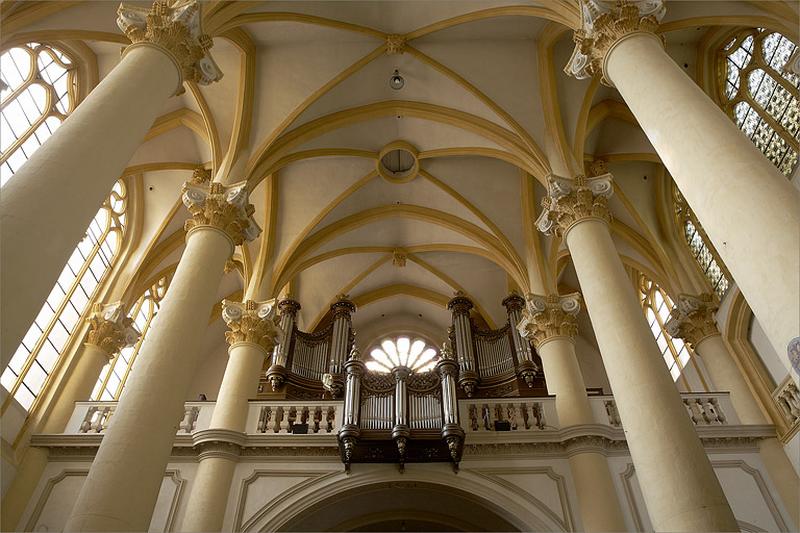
(276,374)
(526,367)
(460,306)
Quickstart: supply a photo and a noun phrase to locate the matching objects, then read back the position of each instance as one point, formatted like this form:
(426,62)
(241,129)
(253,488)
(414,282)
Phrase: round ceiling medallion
(398,163)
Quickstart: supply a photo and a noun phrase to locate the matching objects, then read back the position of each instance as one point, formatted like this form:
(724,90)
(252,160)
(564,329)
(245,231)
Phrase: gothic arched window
(39,87)
(402,351)
(702,250)
(114,374)
(36,357)
(657,306)
(760,95)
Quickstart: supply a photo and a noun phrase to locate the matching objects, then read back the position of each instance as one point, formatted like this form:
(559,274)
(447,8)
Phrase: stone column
(526,367)
(54,196)
(462,329)
(749,210)
(693,320)
(276,374)
(679,485)
(122,486)
(254,331)
(111,331)
(550,323)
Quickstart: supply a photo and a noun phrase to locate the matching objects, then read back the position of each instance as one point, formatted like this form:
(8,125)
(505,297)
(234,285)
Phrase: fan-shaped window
(114,375)
(761,97)
(702,250)
(39,85)
(402,351)
(657,306)
(41,348)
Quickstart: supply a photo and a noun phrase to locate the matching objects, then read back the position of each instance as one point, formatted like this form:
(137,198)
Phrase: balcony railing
(476,415)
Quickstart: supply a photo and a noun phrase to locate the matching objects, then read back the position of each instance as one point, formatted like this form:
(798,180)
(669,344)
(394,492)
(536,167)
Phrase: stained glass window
(114,375)
(657,306)
(39,87)
(41,349)
(760,96)
(700,247)
(402,351)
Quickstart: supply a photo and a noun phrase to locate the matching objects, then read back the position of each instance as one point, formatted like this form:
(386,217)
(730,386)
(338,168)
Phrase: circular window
(398,163)
(402,352)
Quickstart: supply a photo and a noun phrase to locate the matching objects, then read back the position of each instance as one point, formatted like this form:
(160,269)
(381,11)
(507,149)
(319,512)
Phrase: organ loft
(400,265)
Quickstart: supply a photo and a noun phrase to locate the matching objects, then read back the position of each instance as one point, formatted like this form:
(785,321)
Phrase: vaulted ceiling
(305,109)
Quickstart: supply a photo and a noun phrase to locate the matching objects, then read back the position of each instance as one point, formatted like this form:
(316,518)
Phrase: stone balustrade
(281,417)
(704,408)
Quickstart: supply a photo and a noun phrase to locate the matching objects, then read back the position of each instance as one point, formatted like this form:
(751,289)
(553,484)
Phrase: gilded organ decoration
(549,317)
(254,322)
(224,208)
(692,318)
(604,23)
(570,201)
(111,330)
(174,27)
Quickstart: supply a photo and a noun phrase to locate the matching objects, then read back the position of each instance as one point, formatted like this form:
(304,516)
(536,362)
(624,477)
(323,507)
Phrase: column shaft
(122,486)
(748,209)
(679,485)
(597,495)
(205,510)
(80,162)
(239,384)
(564,379)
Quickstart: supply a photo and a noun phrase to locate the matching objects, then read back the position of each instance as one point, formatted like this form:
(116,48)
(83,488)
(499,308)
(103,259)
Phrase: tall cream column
(111,330)
(693,320)
(749,210)
(87,154)
(254,332)
(550,323)
(679,486)
(122,486)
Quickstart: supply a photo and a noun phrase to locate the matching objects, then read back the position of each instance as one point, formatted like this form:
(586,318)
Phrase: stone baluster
(748,209)
(681,491)
(460,306)
(55,195)
(276,374)
(526,367)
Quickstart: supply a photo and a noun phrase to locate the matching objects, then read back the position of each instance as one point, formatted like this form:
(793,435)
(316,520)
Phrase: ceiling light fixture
(396,82)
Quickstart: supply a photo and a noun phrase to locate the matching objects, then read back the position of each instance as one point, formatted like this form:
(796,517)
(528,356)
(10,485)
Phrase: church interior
(400,265)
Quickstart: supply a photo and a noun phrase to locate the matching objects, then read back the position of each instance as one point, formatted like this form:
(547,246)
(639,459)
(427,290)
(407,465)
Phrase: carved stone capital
(604,23)
(255,322)
(174,27)
(571,201)
(111,329)
(692,319)
(547,317)
(224,208)
(460,304)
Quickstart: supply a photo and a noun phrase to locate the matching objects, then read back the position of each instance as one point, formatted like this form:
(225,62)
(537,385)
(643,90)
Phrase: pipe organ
(401,417)
(490,361)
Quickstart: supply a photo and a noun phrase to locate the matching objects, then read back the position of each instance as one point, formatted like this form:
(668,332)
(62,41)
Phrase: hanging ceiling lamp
(396,82)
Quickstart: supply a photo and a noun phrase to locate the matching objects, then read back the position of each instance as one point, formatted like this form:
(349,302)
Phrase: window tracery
(114,374)
(657,306)
(700,247)
(760,95)
(401,351)
(39,88)
(43,344)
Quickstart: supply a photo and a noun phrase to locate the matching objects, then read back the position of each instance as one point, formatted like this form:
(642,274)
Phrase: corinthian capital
(110,328)
(547,317)
(604,23)
(255,322)
(692,319)
(224,208)
(174,27)
(570,201)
